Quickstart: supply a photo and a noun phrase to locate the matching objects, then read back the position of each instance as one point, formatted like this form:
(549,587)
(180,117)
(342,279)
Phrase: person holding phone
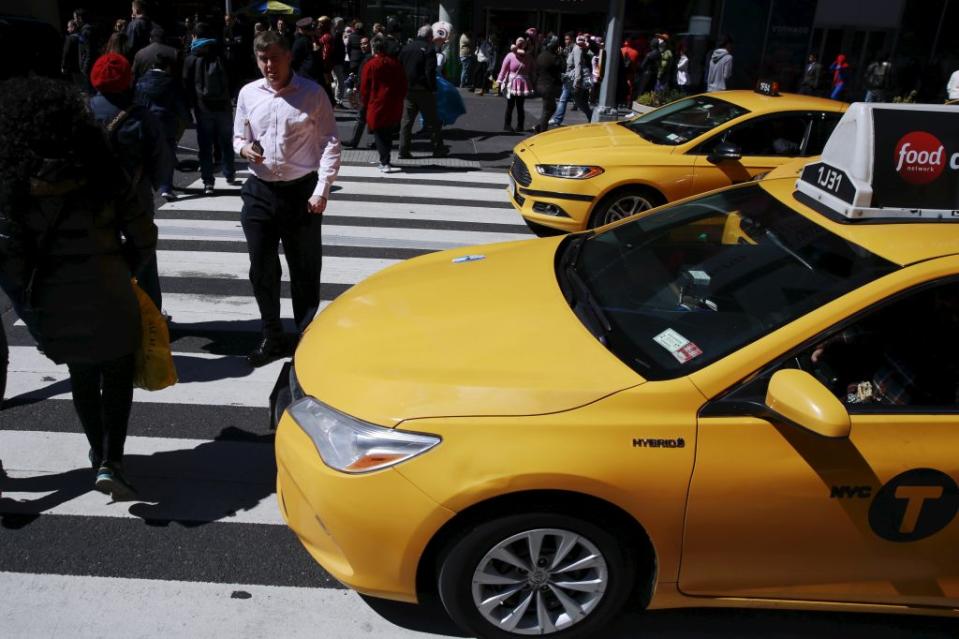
(285,128)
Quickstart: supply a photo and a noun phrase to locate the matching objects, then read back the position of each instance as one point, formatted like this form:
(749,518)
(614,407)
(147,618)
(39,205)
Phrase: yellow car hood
(572,143)
(434,338)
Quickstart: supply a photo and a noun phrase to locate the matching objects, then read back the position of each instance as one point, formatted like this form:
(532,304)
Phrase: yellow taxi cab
(747,398)
(585,176)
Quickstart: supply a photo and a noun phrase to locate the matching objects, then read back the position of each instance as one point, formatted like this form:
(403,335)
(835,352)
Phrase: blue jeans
(874,95)
(466,74)
(215,127)
(564,99)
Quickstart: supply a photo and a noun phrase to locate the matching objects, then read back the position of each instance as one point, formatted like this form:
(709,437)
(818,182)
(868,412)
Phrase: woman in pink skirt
(516,76)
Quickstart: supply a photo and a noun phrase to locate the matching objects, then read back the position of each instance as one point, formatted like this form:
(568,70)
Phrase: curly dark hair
(41,118)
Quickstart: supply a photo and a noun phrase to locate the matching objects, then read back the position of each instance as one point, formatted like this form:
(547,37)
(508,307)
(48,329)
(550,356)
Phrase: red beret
(111,74)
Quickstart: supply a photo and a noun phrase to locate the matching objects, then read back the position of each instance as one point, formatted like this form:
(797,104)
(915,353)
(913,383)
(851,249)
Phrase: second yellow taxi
(585,176)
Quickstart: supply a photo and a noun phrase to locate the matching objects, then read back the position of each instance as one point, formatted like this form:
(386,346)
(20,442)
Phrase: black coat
(354,51)
(83,309)
(138,33)
(549,79)
(162,94)
(419,61)
(140,142)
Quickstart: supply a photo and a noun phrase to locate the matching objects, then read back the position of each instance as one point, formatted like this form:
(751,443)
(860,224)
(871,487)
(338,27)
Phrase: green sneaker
(110,481)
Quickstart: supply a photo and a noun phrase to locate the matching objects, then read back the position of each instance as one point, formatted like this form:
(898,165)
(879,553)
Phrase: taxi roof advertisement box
(916,159)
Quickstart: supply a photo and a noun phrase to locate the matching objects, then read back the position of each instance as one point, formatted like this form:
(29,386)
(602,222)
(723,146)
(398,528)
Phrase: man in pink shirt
(285,128)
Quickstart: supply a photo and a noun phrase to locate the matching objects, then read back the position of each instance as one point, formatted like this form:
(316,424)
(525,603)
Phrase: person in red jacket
(382,90)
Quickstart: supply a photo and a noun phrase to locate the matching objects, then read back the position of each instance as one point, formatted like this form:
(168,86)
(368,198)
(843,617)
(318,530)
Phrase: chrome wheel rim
(626,206)
(540,581)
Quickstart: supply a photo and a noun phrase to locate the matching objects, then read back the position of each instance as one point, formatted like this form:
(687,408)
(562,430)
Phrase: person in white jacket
(952,87)
(682,69)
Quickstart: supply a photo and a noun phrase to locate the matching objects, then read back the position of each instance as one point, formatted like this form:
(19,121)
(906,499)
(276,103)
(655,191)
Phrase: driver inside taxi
(904,355)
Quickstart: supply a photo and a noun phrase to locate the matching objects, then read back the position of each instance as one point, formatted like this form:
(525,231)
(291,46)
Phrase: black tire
(616,205)
(462,558)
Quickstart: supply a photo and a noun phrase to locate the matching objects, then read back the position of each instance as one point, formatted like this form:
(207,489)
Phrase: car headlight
(571,171)
(349,445)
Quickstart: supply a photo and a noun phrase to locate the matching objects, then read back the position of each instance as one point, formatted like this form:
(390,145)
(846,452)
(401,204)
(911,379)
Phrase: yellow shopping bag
(154,361)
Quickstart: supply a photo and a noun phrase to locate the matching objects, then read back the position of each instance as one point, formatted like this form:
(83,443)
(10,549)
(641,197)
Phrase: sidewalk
(477,140)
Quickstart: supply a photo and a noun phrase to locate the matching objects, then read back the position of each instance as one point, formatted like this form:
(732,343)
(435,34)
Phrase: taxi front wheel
(536,574)
(624,203)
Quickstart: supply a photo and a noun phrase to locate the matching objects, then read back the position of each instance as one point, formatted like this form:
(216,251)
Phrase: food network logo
(921,158)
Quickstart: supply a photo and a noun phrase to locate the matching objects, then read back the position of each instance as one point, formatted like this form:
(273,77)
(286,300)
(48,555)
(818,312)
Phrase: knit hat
(111,74)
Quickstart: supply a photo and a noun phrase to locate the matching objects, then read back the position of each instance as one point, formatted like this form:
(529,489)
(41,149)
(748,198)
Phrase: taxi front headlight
(571,171)
(352,446)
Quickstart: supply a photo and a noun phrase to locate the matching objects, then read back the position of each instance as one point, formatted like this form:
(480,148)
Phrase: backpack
(876,75)
(210,79)
(125,158)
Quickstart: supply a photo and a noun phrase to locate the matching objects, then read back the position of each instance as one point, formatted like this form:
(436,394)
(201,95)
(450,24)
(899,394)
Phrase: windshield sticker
(680,347)
(673,137)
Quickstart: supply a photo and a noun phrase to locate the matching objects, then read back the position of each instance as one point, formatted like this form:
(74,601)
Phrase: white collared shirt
(296,128)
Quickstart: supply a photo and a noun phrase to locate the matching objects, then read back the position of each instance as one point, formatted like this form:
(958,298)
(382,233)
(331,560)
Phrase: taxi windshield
(684,119)
(674,291)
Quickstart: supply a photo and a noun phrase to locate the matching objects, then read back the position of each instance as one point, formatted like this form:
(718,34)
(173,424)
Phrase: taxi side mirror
(724,151)
(801,399)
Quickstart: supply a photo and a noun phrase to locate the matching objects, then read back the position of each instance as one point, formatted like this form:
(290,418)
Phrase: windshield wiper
(779,243)
(572,250)
(583,298)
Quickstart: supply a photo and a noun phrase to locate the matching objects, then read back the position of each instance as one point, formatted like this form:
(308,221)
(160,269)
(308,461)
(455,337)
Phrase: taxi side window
(904,354)
(778,135)
(900,357)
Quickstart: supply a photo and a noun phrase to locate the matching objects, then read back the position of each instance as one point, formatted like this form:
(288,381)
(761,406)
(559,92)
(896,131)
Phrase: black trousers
(275,212)
(518,102)
(481,76)
(102,396)
(549,108)
(384,142)
(359,127)
(581,99)
(420,100)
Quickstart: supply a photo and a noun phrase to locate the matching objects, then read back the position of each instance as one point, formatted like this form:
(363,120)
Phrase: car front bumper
(538,201)
(368,531)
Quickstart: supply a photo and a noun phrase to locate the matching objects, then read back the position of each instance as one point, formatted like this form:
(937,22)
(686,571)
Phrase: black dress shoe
(270,348)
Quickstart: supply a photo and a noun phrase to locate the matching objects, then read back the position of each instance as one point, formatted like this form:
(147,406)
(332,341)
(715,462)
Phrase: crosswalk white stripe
(427,173)
(91,607)
(236,266)
(431,212)
(435,212)
(214,475)
(367,236)
(205,378)
(396,189)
